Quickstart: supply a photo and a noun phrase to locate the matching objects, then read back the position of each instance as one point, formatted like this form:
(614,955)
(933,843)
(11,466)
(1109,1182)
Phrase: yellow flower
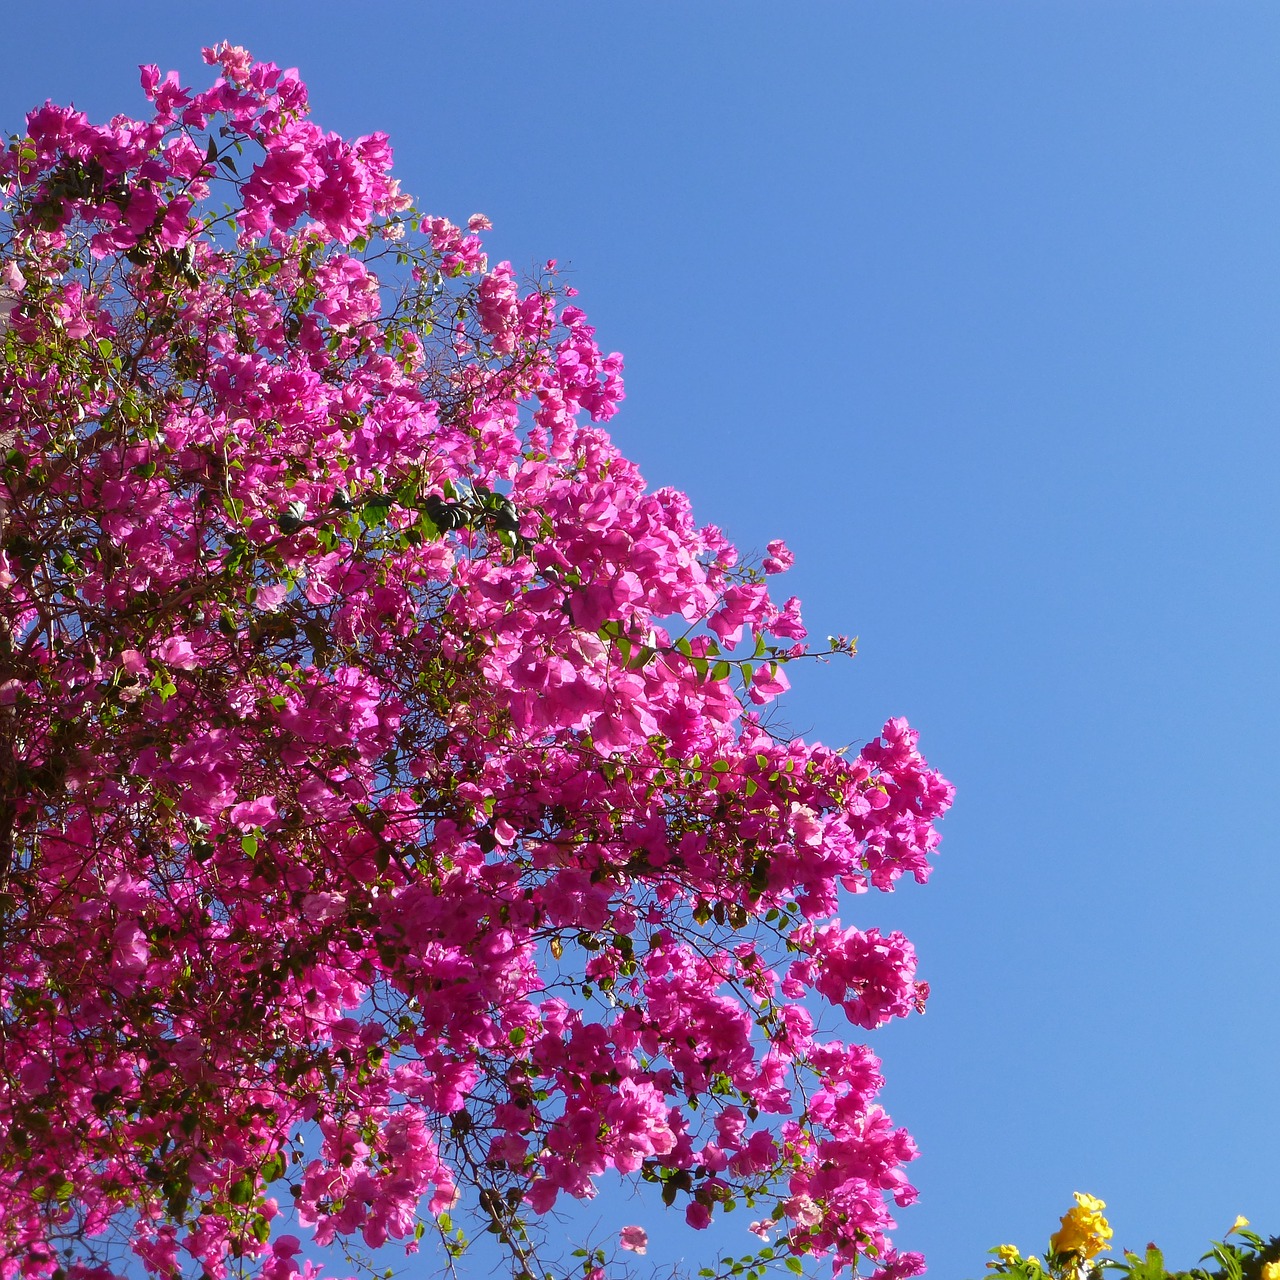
(1084,1230)
(1271,1271)
(1239,1224)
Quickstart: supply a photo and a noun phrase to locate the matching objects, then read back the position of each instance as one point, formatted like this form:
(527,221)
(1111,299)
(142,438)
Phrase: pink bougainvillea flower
(634,1238)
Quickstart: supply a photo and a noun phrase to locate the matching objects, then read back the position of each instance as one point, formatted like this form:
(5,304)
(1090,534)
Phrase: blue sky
(977,305)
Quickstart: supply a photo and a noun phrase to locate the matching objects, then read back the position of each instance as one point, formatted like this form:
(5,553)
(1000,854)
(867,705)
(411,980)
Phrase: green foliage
(1242,1255)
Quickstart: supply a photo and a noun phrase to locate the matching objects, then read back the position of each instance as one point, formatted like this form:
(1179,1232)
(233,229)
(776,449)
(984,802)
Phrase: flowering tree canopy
(391,840)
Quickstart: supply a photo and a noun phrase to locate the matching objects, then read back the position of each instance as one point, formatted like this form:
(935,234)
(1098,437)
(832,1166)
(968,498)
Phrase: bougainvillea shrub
(395,841)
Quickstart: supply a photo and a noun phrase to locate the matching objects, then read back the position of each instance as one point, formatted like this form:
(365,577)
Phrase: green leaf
(241,1190)
(1149,1268)
(642,657)
(796,1266)
(250,845)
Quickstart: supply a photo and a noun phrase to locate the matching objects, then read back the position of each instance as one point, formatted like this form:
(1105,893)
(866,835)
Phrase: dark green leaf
(241,1191)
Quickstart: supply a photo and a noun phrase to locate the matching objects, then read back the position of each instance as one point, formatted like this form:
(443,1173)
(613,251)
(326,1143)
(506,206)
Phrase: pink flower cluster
(388,828)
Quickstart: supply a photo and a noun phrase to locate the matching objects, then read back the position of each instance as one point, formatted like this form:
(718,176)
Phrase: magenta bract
(390,837)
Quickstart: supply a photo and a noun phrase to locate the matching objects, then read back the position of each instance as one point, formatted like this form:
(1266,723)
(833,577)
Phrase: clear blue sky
(977,304)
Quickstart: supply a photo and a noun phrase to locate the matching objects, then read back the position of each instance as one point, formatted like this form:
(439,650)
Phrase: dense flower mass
(390,833)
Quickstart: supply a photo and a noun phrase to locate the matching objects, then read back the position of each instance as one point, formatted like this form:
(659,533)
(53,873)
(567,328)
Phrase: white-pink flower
(634,1238)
